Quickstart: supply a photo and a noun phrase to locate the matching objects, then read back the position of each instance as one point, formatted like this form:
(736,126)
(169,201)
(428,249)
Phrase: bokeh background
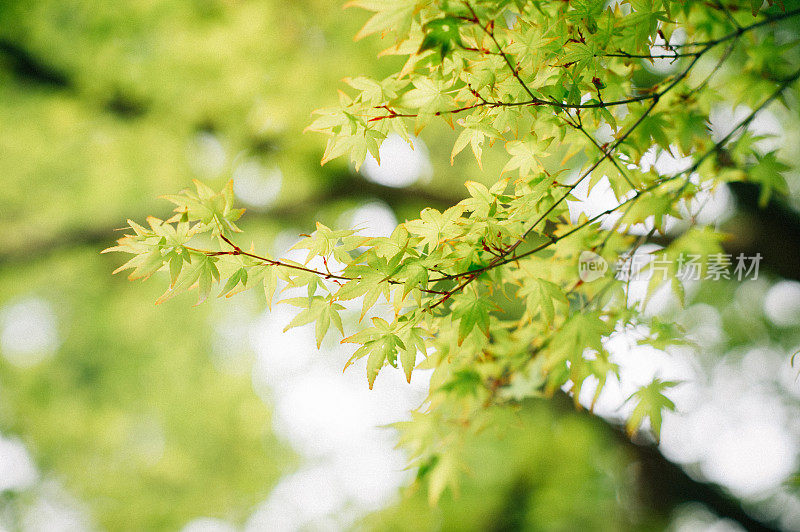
(116,414)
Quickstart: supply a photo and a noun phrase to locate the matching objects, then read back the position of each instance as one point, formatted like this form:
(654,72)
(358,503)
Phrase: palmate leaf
(690,128)
(143,265)
(641,25)
(434,226)
(319,309)
(369,282)
(364,140)
(465,382)
(413,344)
(323,242)
(390,15)
(599,367)
(201,272)
(525,156)
(428,97)
(582,331)
(214,210)
(656,207)
(527,383)
(650,403)
(474,134)
(444,474)
(472,313)
(442,35)
(654,128)
(415,275)
(381,351)
(380,344)
(235,284)
(480,199)
(542,296)
(266,277)
(768,172)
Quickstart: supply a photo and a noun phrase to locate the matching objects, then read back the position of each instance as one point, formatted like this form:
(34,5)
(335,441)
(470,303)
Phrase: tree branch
(664,485)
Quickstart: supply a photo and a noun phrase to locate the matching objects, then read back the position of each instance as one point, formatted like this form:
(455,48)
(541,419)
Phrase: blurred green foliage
(130,413)
(105,106)
(533,470)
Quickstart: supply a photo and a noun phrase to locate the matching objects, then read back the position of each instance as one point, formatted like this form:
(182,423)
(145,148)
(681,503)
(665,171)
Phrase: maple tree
(487,293)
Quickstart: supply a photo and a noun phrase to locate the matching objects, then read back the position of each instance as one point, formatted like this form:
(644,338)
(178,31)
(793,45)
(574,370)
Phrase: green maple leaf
(463,383)
(472,313)
(212,209)
(525,156)
(651,403)
(543,295)
(768,173)
(441,34)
